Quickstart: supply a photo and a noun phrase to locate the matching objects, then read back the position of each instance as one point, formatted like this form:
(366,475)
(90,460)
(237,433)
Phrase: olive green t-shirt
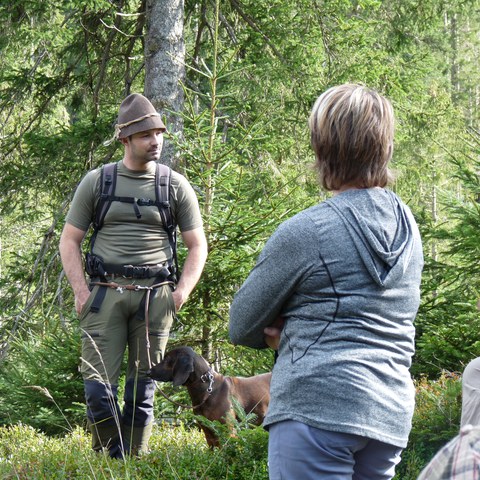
(124,238)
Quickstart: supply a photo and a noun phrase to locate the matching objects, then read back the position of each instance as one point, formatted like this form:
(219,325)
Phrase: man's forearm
(73,265)
(71,256)
(192,269)
(193,266)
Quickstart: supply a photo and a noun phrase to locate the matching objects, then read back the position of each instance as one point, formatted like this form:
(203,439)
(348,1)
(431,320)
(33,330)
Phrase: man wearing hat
(130,301)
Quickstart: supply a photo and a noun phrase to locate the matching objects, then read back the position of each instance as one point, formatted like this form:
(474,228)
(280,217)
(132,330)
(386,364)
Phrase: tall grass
(41,393)
(177,453)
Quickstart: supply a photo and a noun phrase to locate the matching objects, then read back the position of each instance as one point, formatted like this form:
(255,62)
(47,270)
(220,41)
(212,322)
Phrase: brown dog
(211,393)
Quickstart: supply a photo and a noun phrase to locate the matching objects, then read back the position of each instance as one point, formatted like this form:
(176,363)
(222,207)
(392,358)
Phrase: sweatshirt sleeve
(281,265)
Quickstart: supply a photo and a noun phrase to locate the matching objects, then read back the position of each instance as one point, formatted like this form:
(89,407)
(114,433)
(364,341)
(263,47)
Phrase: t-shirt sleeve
(82,208)
(186,208)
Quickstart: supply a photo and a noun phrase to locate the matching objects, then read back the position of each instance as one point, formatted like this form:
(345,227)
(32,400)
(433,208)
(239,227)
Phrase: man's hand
(80,300)
(179,298)
(70,242)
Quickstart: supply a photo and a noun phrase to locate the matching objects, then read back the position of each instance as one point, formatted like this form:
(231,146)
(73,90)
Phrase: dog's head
(176,366)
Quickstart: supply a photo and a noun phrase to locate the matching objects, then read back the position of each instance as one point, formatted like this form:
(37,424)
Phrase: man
(130,300)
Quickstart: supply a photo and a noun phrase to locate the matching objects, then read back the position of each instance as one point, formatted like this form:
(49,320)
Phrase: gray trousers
(298,451)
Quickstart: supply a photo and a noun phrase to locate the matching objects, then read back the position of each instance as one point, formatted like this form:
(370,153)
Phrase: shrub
(436,421)
(40,384)
(176,453)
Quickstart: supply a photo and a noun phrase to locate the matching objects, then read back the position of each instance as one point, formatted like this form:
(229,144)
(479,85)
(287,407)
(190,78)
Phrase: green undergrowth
(177,453)
(179,450)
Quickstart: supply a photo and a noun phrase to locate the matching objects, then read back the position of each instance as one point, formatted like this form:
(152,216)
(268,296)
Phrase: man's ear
(182,370)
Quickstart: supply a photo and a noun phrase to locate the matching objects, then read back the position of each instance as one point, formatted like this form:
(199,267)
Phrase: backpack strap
(108,182)
(163,176)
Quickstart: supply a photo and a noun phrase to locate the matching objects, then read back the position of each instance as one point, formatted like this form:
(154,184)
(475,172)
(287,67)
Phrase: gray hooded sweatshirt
(345,275)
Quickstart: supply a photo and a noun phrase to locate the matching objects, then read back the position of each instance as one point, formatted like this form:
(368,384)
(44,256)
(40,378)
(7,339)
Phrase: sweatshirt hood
(382,228)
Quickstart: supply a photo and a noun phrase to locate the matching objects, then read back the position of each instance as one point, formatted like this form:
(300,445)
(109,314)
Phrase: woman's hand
(273,332)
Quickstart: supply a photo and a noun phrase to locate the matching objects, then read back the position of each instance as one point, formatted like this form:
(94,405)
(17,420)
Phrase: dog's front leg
(211,437)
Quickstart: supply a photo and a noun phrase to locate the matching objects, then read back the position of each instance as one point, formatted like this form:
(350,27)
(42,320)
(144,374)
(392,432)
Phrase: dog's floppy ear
(182,369)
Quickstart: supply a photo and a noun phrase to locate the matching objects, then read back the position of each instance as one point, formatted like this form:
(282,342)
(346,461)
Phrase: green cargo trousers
(121,323)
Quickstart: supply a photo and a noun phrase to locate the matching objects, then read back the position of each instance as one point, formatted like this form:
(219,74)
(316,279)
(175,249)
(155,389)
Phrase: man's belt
(137,271)
(160,272)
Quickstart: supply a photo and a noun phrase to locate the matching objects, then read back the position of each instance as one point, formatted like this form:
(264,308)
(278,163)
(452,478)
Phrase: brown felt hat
(137,114)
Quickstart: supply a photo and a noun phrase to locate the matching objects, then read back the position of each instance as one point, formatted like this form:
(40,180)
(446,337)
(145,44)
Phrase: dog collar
(210,378)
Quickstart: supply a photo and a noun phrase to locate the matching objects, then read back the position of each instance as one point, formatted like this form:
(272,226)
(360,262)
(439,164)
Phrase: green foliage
(226,153)
(435,422)
(446,334)
(254,70)
(437,413)
(176,453)
(180,451)
(43,456)
(251,444)
(53,115)
(448,321)
(40,383)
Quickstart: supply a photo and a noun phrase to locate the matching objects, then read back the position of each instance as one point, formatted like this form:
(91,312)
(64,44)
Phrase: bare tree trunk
(451,22)
(165,66)
(434,207)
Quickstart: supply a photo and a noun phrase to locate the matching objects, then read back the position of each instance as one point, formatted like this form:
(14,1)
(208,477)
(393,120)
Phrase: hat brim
(151,123)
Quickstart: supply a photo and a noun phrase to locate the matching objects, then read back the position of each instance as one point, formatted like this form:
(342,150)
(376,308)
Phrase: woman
(336,289)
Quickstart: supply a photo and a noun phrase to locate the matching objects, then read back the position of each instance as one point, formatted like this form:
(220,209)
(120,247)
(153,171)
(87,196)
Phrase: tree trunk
(454,65)
(165,66)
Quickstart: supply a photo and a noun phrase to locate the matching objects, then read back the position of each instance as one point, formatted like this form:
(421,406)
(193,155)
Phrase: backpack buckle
(145,202)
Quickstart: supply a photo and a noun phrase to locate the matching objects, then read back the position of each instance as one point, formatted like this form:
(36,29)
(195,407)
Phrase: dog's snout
(149,372)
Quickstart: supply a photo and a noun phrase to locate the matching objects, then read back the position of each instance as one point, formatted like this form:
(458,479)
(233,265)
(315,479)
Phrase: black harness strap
(108,183)
(162,197)
(98,299)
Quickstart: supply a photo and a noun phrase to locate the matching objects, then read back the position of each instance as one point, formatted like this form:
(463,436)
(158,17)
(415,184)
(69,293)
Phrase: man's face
(146,146)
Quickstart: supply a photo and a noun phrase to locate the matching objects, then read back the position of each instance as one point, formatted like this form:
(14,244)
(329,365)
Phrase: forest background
(235,81)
